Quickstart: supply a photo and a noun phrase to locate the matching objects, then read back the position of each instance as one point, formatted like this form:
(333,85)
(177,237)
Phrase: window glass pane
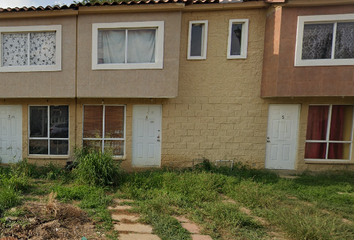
(93,144)
(38,121)
(38,146)
(141,46)
(14,49)
(344,40)
(197,39)
(59,147)
(341,123)
(317,123)
(59,121)
(117,147)
(111,46)
(42,48)
(114,122)
(339,151)
(236,36)
(315,150)
(93,119)
(317,41)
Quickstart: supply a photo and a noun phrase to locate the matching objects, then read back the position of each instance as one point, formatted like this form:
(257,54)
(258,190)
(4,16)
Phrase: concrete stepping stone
(181,219)
(137,236)
(119,207)
(122,200)
(201,237)
(191,227)
(120,217)
(136,227)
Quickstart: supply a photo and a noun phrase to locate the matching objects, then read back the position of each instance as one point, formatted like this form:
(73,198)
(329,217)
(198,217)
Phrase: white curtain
(111,46)
(141,46)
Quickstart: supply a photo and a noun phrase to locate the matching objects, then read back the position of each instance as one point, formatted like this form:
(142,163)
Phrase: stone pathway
(125,223)
(192,228)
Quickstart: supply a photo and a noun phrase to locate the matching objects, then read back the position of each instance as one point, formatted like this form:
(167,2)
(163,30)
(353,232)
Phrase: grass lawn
(242,203)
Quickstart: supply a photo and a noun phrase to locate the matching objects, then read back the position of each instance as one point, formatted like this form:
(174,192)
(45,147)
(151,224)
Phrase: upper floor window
(238,38)
(325,40)
(197,39)
(30,48)
(128,45)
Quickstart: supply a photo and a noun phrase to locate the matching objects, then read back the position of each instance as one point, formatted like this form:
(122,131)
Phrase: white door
(10,133)
(283,123)
(146,150)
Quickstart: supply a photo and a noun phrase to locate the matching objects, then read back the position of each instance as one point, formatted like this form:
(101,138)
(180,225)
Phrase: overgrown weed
(96,168)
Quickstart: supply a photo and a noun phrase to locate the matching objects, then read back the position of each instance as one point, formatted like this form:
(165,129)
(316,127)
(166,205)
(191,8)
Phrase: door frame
(19,149)
(133,133)
(296,140)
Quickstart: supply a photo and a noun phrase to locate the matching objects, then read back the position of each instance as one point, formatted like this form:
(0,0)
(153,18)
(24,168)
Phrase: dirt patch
(52,220)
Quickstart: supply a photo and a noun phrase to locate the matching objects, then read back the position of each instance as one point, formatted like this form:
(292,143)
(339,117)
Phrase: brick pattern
(218,113)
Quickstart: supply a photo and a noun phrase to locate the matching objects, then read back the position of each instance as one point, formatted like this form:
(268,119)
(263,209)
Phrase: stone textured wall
(218,113)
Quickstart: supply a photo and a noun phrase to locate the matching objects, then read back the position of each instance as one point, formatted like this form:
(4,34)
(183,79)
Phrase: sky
(36,3)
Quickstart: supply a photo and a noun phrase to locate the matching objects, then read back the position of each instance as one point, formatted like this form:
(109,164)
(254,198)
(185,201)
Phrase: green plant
(24,168)
(96,168)
(93,199)
(17,182)
(8,198)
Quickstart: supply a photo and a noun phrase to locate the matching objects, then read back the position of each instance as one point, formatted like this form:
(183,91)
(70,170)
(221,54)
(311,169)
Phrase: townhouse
(163,83)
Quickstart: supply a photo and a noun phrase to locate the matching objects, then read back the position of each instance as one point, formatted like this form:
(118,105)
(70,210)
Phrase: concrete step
(133,227)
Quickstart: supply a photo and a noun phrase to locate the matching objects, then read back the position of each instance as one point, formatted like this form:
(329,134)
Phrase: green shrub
(96,168)
(16,182)
(8,199)
(24,168)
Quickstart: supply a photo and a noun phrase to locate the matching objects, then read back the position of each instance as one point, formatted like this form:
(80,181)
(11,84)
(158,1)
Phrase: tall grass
(8,198)
(294,205)
(96,168)
(196,194)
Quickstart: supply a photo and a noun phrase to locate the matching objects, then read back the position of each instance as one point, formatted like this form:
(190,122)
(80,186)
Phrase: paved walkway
(125,223)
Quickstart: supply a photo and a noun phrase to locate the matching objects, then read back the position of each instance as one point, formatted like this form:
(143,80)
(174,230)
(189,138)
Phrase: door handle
(268,140)
(158,138)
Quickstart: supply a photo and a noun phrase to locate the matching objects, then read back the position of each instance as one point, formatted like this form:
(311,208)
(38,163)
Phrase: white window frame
(302,20)
(244,39)
(103,139)
(31,29)
(48,138)
(327,141)
(204,45)
(159,44)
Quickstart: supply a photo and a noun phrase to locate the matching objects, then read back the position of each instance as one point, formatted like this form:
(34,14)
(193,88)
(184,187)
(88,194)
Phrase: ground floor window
(48,130)
(329,132)
(104,128)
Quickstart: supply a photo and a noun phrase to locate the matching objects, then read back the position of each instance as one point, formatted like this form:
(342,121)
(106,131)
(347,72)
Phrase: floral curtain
(23,49)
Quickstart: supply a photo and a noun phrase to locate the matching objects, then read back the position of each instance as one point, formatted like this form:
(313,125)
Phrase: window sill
(237,57)
(196,58)
(48,157)
(330,162)
(157,65)
(51,68)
